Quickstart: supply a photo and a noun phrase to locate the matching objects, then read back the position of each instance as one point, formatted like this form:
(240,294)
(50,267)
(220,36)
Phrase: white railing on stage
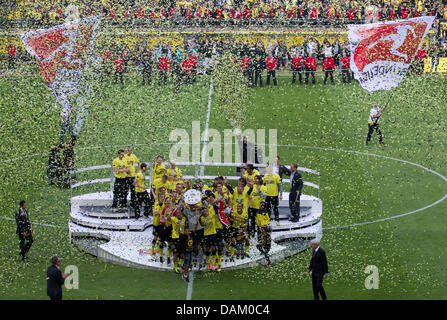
(195,176)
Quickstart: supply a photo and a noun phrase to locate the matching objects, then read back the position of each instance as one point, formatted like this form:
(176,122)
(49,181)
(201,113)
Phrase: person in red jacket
(195,63)
(119,67)
(163,68)
(297,67)
(310,65)
(11,56)
(328,68)
(345,67)
(271,64)
(187,70)
(244,66)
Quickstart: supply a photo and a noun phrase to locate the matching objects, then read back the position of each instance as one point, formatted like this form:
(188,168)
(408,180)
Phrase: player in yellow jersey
(165,230)
(178,222)
(158,169)
(157,209)
(131,160)
(141,193)
(264,230)
(120,171)
(240,195)
(207,220)
(272,181)
(257,195)
(174,175)
(250,172)
(160,183)
(239,220)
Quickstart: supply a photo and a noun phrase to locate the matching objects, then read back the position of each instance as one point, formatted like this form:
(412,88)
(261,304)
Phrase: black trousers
(252,221)
(272,203)
(11,62)
(346,75)
(162,77)
(294,206)
(329,73)
(317,286)
(300,77)
(258,75)
(119,193)
(271,73)
(25,243)
(120,75)
(147,76)
(143,199)
(371,128)
(130,186)
(312,73)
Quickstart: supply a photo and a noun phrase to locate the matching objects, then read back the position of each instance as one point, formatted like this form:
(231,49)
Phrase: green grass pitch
(408,251)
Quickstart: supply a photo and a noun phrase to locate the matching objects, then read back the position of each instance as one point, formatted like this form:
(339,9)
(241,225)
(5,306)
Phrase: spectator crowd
(225,12)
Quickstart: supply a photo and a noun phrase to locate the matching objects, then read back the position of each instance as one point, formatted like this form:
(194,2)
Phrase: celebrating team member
(207,220)
(157,209)
(239,220)
(264,237)
(187,247)
(164,232)
(373,123)
(178,222)
(345,68)
(274,187)
(297,65)
(163,68)
(192,214)
(158,169)
(310,63)
(271,65)
(257,195)
(120,171)
(141,193)
(250,172)
(24,230)
(240,196)
(160,184)
(131,160)
(174,175)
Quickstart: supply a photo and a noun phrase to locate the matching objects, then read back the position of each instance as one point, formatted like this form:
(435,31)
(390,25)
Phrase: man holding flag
(65,57)
(381,54)
(373,123)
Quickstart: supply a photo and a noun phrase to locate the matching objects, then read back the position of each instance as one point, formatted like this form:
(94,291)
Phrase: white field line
(190,285)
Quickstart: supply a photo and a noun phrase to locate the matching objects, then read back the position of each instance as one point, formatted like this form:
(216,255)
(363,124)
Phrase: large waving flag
(381,53)
(64,53)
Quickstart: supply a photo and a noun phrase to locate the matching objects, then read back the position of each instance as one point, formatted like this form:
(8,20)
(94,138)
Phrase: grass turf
(409,252)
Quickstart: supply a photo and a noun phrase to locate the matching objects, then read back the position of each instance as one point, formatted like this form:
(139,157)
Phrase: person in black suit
(296,184)
(24,230)
(55,279)
(319,268)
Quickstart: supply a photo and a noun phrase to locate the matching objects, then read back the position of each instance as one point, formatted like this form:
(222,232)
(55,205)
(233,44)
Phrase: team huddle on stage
(189,216)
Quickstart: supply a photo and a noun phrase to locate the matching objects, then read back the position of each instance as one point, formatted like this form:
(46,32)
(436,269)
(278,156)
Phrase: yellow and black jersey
(157,184)
(119,164)
(256,196)
(239,219)
(139,182)
(209,223)
(272,181)
(158,171)
(262,219)
(131,161)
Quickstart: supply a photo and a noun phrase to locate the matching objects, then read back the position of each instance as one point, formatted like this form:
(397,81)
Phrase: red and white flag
(63,53)
(381,53)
